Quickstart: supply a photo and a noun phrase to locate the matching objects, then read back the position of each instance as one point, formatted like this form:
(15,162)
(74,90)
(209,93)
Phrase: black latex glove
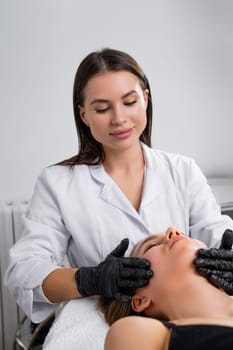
(116,276)
(217,264)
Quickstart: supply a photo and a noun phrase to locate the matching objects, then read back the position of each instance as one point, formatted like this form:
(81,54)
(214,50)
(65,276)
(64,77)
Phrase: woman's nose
(172,232)
(118,116)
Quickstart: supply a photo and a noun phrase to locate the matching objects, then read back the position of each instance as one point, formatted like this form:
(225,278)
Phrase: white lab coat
(84,214)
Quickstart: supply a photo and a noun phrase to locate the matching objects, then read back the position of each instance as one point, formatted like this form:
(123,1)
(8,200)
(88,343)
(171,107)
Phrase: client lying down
(185,311)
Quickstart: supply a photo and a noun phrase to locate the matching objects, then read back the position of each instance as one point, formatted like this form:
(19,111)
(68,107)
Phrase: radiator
(10,230)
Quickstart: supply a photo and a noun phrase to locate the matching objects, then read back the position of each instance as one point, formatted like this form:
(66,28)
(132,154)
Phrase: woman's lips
(174,241)
(122,133)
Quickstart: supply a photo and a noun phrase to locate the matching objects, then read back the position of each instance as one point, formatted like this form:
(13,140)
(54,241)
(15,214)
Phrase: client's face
(171,256)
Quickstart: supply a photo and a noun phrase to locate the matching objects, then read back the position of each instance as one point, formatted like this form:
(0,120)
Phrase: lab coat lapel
(151,187)
(111,193)
(152,177)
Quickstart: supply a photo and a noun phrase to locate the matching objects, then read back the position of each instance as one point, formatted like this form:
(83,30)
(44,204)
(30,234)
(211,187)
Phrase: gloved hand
(217,264)
(116,276)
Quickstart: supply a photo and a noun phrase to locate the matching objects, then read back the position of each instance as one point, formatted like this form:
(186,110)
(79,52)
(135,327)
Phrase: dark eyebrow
(129,93)
(102,100)
(99,100)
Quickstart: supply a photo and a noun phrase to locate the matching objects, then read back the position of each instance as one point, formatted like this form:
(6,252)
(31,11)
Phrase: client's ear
(140,303)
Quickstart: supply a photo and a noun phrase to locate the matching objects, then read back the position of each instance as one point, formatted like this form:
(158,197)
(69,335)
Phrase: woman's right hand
(116,276)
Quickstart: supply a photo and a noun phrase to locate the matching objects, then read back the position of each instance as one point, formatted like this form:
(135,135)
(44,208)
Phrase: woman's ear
(83,115)
(146,96)
(140,303)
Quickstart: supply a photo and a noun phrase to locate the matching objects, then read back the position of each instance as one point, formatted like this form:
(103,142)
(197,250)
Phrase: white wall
(185,47)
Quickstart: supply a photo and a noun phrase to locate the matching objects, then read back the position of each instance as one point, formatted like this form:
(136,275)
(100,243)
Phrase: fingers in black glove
(213,258)
(122,297)
(116,276)
(131,284)
(227,240)
(217,264)
(215,253)
(121,248)
(134,273)
(135,262)
(226,275)
(131,269)
(219,279)
(222,283)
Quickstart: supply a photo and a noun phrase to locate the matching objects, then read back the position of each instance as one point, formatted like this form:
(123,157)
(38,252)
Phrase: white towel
(79,326)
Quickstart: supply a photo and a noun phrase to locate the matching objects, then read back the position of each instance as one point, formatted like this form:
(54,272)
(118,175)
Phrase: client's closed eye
(152,245)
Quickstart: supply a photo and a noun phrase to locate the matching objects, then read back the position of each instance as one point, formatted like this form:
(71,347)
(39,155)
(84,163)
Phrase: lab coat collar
(112,194)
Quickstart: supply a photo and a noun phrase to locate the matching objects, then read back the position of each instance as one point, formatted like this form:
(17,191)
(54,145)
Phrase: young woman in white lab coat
(117,186)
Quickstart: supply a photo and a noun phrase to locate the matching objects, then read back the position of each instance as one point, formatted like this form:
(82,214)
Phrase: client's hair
(113,309)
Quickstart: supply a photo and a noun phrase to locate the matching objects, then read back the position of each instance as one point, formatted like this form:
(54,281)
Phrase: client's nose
(172,232)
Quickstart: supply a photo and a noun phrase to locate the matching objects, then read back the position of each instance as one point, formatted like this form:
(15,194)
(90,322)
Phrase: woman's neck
(126,160)
(197,298)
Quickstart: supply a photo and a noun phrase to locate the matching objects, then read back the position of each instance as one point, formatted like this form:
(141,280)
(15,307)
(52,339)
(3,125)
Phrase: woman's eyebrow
(99,100)
(129,93)
(103,100)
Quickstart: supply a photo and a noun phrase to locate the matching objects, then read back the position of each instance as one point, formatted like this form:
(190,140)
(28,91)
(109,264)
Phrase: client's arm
(135,332)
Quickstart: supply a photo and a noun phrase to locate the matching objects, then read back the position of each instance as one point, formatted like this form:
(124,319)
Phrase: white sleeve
(206,222)
(40,251)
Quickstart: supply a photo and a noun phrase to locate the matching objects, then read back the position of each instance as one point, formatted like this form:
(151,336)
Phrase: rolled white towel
(79,326)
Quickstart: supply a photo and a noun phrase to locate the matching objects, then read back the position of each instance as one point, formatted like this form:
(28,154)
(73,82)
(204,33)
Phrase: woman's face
(115,109)
(171,256)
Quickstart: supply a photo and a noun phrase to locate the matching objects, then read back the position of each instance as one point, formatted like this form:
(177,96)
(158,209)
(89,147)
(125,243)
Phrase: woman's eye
(102,110)
(130,103)
(152,245)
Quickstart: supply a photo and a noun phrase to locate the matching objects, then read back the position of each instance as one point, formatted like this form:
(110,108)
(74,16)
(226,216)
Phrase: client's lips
(174,241)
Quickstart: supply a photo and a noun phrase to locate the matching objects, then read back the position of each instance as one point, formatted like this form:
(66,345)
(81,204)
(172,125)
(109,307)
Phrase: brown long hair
(113,309)
(107,60)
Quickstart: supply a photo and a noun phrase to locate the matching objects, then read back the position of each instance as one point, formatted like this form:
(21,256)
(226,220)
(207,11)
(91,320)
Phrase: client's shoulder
(136,332)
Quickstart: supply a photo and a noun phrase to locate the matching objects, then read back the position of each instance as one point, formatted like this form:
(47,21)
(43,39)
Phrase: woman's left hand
(216,264)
